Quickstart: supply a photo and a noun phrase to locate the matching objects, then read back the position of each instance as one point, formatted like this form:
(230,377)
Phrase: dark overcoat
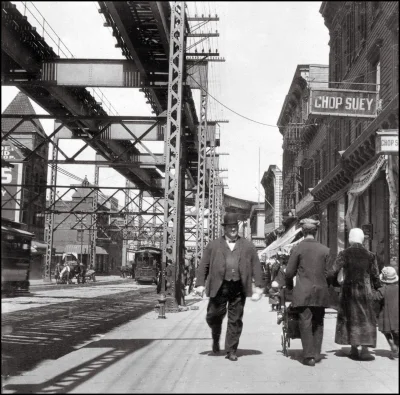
(212,267)
(388,320)
(356,318)
(309,262)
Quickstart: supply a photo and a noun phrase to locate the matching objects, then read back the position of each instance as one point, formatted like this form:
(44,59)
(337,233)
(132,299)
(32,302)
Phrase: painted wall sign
(11,195)
(343,103)
(387,141)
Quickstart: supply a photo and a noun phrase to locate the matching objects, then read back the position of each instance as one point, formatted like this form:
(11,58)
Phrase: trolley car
(15,257)
(147,264)
(290,323)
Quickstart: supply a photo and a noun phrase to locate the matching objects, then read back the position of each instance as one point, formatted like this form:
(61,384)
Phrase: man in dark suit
(309,262)
(226,270)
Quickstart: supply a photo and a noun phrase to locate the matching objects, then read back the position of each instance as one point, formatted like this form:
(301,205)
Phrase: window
(350,30)
(360,22)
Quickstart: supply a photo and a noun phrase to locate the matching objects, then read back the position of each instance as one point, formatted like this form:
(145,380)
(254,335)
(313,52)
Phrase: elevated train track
(142,31)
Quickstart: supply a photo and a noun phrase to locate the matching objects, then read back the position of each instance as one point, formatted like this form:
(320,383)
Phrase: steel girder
(50,216)
(93,234)
(201,179)
(172,248)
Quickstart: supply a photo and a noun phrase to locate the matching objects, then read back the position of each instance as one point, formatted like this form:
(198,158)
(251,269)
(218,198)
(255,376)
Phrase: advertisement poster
(11,195)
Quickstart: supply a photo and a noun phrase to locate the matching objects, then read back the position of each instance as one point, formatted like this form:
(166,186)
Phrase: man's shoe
(309,361)
(231,356)
(215,346)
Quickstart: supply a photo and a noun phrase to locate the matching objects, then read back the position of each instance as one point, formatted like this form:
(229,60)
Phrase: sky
(262,44)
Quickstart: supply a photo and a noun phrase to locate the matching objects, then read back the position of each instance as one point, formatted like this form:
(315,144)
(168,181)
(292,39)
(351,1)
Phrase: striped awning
(84,249)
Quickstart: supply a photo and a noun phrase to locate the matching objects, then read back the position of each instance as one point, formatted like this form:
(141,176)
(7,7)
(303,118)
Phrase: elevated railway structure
(153,38)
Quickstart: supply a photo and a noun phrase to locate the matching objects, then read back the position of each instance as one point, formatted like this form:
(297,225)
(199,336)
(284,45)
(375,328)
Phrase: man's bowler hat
(230,219)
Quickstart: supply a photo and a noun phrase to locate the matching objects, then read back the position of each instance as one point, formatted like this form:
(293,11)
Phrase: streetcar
(147,264)
(15,257)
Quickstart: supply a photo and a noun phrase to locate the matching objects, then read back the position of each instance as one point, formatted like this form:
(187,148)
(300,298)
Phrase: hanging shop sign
(343,103)
(387,142)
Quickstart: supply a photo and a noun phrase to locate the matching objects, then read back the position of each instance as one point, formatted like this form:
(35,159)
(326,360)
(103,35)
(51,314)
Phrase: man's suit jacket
(309,262)
(211,270)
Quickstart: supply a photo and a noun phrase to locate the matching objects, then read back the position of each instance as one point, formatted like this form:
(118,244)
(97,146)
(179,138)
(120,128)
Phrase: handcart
(290,323)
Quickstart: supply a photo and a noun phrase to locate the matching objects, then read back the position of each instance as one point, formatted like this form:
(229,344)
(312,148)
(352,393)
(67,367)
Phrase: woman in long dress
(356,318)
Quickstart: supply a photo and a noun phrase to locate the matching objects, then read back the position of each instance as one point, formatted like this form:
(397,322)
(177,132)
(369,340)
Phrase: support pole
(93,233)
(50,216)
(173,175)
(201,178)
(125,241)
(211,193)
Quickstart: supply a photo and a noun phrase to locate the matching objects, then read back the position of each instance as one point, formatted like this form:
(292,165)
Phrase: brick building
(337,171)
(72,231)
(32,175)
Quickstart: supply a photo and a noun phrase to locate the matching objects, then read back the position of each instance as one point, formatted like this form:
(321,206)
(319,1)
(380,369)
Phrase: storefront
(373,206)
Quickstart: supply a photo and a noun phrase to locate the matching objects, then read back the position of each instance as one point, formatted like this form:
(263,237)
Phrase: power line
(235,112)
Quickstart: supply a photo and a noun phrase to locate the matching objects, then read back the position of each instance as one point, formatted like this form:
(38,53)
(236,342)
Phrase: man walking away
(309,263)
(226,270)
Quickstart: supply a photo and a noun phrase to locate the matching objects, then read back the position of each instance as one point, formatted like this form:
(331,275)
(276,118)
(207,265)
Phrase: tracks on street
(49,332)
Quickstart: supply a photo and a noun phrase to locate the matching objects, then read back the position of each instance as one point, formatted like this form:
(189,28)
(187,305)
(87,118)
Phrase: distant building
(73,230)
(25,204)
(272,184)
(257,215)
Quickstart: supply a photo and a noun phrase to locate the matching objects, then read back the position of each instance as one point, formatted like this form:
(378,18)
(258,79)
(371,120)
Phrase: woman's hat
(389,275)
(230,219)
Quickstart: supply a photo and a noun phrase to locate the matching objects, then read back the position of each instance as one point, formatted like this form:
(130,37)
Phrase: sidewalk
(99,278)
(173,355)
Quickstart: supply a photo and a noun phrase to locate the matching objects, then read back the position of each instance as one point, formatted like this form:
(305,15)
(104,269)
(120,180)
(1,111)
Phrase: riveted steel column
(125,232)
(50,215)
(173,220)
(201,178)
(93,234)
(140,217)
(211,193)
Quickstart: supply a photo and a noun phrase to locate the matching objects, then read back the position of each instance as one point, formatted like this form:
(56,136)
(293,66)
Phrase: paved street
(125,348)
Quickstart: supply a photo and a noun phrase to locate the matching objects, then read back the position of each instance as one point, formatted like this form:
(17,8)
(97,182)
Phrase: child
(388,321)
(274,298)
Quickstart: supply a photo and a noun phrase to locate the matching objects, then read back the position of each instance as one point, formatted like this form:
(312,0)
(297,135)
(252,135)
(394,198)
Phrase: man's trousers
(311,324)
(230,293)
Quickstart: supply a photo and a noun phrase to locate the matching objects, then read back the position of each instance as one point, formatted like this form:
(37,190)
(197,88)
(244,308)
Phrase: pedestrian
(226,270)
(388,320)
(274,296)
(308,262)
(356,318)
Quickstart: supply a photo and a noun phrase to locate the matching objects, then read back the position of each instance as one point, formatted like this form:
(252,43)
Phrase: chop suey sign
(343,102)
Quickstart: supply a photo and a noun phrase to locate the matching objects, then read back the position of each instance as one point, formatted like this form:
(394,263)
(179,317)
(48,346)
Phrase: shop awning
(286,239)
(84,249)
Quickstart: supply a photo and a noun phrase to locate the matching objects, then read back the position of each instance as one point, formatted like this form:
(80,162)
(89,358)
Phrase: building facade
(25,204)
(256,221)
(336,166)
(272,184)
(72,231)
